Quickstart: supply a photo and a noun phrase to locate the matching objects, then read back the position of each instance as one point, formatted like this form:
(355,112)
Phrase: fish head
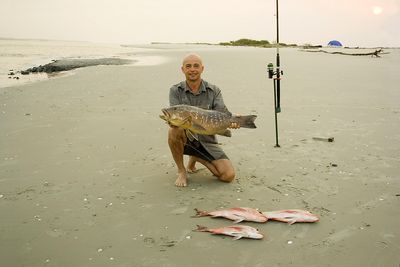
(250,232)
(255,235)
(176,115)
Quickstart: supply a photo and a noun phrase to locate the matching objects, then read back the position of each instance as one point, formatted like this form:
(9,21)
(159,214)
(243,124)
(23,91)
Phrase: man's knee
(227,176)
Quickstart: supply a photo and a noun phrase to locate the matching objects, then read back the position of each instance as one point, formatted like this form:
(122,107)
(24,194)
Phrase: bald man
(197,92)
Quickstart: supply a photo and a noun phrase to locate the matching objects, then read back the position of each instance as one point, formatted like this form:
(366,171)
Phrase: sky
(367,23)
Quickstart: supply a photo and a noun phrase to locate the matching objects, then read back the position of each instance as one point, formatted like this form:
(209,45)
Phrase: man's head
(192,67)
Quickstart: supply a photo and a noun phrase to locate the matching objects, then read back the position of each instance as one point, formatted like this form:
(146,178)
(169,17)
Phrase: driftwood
(372,54)
(326,139)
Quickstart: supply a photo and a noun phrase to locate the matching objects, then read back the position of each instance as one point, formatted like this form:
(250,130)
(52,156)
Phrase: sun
(377,10)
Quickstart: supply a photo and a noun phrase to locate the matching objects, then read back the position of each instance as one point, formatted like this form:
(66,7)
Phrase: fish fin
(237,237)
(191,136)
(186,121)
(198,127)
(291,221)
(238,220)
(163,117)
(245,121)
(226,133)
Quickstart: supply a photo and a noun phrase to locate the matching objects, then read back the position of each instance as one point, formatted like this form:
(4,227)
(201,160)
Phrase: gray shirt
(209,97)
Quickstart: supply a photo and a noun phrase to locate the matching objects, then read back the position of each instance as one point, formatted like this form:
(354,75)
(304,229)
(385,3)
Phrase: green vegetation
(256,43)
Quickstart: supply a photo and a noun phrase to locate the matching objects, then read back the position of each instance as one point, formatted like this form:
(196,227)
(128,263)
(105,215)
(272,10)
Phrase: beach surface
(87,178)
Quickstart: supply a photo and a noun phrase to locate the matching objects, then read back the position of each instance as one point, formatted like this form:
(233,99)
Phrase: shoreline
(20,55)
(143,55)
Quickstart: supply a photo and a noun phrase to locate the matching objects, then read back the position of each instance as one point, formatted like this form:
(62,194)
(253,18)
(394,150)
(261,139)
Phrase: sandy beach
(87,178)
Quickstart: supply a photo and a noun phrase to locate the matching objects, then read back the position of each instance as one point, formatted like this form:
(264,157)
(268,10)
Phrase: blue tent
(334,43)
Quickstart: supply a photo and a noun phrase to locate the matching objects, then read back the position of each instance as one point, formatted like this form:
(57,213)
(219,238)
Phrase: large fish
(235,214)
(291,216)
(237,231)
(202,121)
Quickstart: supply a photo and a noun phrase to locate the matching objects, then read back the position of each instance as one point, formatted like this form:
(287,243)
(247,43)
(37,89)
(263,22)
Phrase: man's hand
(235,125)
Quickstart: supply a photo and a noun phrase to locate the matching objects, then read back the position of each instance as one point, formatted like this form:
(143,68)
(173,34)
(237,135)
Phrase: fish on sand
(291,216)
(206,122)
(237,231)
(235,214)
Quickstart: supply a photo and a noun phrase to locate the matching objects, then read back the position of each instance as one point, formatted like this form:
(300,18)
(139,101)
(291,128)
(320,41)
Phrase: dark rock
(11,73)
(69,64)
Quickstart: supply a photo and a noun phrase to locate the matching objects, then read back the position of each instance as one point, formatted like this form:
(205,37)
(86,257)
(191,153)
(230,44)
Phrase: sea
(20,54)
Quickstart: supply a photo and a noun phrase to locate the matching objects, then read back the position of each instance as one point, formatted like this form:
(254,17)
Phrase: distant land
(251,42)
(256,43)
(268,44)
(239,42)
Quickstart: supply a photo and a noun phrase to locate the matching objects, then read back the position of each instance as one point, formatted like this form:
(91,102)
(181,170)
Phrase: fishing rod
(276,76)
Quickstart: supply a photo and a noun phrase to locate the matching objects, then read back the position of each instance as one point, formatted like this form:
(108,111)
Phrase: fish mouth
(165,112)
(257,236)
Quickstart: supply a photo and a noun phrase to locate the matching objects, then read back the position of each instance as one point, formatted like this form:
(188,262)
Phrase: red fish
(291,216)
(237,231)
(235,214)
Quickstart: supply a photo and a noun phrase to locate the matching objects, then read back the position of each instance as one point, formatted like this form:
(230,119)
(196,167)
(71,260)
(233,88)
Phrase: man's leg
(222,168)
(176,141)
(225,170)
(191,166)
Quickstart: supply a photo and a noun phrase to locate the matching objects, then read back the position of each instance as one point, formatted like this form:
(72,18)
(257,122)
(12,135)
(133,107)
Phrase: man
(195,91)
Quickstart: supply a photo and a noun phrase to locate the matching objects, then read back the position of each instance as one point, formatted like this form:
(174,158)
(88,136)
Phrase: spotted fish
(205,122)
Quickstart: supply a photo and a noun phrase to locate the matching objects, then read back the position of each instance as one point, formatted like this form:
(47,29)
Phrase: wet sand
(87,179)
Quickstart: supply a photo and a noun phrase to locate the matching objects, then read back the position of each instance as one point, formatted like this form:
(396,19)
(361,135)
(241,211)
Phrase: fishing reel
(276,76)
(271,71)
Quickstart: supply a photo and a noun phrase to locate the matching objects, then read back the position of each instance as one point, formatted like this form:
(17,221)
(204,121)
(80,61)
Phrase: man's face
(192,67)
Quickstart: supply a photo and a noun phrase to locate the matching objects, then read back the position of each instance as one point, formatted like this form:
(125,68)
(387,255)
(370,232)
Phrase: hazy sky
(353,22)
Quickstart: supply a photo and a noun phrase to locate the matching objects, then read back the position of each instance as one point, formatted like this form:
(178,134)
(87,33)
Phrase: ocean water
(18,54)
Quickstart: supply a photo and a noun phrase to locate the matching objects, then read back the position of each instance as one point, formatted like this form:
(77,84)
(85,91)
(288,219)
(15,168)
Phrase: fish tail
(200,213)
(201,228)
(246,121)
(265,214)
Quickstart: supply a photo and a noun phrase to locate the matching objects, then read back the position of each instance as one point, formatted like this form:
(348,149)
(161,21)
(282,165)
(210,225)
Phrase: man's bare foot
(192,170)
(181,181)
(191,167)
